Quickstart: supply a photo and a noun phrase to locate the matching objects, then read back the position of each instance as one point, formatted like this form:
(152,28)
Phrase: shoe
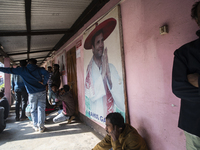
(17,119)
(23,118)
(41,129)
(35,128)
(70,119)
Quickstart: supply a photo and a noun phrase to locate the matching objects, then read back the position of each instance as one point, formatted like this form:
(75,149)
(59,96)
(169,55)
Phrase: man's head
(66,88)
(2,92)
(32,61)
(54,88)
(56,67)
(114,120)
(49,69)
(23,63)
(98,44)
(195,12)
(106,28)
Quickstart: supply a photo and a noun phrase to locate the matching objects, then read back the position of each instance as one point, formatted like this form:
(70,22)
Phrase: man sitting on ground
(120,135)
(65,96)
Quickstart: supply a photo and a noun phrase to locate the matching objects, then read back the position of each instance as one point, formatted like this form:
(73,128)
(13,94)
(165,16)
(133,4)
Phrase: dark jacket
(4,103)
(187,61)
(69,106)
(56,78)
(2,120)
(31,75)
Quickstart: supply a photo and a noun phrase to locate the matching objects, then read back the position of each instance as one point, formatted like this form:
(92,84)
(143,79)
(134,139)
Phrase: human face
(55,68)
(49,69)
(54,89)
(109,126)
(98,47)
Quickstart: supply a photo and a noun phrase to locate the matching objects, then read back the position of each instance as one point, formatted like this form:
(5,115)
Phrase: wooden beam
(34,58)
(30,52)
(35,32)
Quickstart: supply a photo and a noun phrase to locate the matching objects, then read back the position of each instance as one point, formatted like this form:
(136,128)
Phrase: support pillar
(7,81)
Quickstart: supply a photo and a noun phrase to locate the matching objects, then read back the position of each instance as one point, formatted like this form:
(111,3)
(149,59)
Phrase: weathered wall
(149,60)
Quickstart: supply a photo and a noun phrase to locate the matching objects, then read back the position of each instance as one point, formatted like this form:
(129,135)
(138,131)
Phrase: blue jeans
(38,105)
(21,96)
(60,118)
(51,95)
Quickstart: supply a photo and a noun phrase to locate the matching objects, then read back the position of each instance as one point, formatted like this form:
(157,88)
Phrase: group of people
(35,79)
(29,84)
(185,85)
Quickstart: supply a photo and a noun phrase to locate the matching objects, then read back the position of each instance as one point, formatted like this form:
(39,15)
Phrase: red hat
(107,27)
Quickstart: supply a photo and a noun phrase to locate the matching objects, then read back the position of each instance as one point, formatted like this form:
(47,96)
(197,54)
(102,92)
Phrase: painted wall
(149,60)
(153,108)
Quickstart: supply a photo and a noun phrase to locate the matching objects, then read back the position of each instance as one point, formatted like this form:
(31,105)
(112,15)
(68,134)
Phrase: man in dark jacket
(185,85)
(21,95)
(35,80)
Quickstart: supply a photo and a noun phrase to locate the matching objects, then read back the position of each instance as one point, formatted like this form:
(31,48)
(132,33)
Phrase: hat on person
(107,27)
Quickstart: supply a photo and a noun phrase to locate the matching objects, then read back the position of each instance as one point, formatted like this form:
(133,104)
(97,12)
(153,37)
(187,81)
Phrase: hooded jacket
(32,75)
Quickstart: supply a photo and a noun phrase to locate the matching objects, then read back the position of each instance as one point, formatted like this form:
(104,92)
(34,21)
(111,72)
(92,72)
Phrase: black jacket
(187,61)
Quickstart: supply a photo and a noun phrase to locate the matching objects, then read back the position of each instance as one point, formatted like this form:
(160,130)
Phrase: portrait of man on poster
(104,92)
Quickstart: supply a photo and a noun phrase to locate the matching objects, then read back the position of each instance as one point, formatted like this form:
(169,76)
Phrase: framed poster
(103,68)
(62,63)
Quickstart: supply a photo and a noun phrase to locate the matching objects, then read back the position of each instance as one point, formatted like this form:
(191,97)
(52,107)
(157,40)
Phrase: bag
(28,112)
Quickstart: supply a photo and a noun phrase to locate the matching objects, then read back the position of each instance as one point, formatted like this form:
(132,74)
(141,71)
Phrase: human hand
(61,91)
(50,102)
(13,92)
(115,133)
(193,79)
(41,82)
(105,68)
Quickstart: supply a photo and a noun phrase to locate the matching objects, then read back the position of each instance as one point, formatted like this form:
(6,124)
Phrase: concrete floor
(19,135)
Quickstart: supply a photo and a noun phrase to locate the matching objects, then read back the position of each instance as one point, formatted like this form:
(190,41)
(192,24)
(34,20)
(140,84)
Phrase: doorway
(72,75)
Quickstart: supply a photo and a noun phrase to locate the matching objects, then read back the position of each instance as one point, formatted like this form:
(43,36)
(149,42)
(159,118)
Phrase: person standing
(55,79)
(35,79)
(185,85)
(21,95)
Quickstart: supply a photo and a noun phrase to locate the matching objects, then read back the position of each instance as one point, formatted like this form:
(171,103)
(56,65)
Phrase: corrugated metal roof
(29,27)
(51,14)
(12,15)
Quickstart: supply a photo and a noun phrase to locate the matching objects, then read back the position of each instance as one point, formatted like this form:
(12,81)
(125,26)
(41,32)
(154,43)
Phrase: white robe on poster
(95,91)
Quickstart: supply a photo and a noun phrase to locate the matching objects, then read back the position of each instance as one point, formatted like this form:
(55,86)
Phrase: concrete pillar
(7,81)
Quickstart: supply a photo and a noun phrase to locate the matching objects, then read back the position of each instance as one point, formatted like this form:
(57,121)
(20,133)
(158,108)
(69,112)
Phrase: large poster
(103,77)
